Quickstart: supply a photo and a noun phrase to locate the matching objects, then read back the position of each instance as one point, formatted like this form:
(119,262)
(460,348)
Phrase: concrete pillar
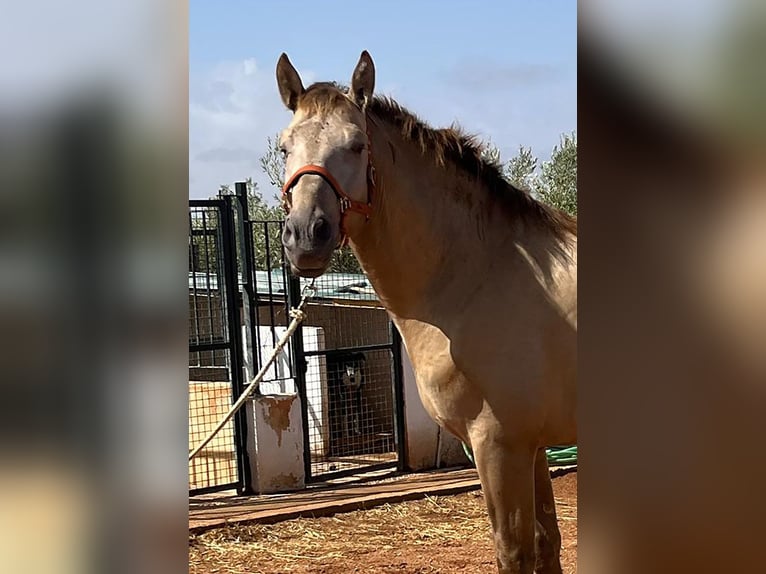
(275,447)
(274,421)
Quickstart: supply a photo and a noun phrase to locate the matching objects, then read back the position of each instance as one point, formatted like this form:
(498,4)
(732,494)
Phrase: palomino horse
(479,278)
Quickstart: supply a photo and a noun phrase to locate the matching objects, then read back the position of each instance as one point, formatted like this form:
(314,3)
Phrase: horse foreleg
(547,536)
(507,479)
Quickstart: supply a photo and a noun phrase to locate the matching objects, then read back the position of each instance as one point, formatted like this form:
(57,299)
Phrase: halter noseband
(346,203)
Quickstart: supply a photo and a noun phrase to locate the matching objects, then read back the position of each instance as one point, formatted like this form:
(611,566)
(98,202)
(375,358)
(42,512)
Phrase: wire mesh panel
(270,306)
(212,296)
(359,430)
(356,351)
(207,312)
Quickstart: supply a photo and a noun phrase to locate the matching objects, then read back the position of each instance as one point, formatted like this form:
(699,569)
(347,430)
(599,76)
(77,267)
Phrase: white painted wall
(422,433)
(276,380)
(317,391)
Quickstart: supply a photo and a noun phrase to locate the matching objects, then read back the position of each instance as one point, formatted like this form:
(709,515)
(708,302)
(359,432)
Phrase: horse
(478,276)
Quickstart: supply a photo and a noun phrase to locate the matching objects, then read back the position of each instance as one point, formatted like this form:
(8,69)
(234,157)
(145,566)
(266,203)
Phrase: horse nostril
(321,229)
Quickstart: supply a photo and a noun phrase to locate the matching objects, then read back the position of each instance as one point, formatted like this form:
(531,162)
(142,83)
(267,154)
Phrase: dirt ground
(443,535)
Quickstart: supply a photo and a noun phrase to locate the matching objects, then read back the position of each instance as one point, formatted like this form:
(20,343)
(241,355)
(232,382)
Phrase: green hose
(557,456)
(562,455)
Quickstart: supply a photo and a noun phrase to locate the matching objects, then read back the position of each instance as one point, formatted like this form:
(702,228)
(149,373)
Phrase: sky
(504,70)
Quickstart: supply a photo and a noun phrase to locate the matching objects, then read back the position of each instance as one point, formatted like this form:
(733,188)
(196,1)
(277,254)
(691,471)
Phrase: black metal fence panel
(215,354)
(344,361)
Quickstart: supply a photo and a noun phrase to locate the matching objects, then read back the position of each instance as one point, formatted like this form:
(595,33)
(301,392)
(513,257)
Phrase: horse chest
(446,393)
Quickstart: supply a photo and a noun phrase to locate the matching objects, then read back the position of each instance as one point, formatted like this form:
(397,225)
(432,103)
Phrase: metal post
(301,366)
(248,277)
(398,382)
(231,281)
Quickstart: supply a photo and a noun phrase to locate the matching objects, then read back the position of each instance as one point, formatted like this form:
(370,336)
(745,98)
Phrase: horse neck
(421,234)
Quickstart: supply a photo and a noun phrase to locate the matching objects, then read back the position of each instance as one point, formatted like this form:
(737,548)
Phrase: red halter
(346,203)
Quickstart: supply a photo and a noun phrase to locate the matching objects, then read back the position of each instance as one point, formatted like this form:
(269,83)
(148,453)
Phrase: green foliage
(259,209)
(273,163)
(203,243)
(520,170)
(204,239)
(266,228)
(491,154)
(344,261)
(558,178)
(554,182)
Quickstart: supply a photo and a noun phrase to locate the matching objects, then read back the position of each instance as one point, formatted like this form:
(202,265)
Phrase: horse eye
(283,151)
(357,147)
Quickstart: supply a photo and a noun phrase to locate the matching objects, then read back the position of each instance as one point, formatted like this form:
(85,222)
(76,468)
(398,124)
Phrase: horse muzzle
(309,244)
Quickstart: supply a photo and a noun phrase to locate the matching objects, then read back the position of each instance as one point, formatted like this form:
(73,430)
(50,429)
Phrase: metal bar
(256,297)
(337,302)
(207,276)
(229,251)
(400,428)
(194,256)
(202,232)
(301,366)
(285,278)
(248,291)
(202,347)
(353,471)
(269,302)
(221,261)
(214,488)
(270,221)
(330,353)
(267,244)
(216,203)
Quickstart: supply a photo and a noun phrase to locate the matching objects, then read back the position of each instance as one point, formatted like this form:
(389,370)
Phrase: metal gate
(352,386)
(344,361)
(215,348)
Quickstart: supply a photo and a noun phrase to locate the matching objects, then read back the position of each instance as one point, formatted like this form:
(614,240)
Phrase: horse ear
(289,82)
(363,80)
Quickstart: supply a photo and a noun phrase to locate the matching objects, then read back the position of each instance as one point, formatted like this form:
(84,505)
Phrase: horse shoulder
(444,390)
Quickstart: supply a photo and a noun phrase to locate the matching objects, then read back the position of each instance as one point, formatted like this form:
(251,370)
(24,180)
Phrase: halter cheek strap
(346,203)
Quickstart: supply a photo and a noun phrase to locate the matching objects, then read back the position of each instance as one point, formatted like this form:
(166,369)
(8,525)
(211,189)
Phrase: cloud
(226,155)
(499,77)
(233,108)
(508,103)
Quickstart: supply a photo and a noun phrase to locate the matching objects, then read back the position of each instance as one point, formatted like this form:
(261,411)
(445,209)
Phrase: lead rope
(298,315)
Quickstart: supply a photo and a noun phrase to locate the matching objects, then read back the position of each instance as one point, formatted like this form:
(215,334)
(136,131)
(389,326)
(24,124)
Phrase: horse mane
(446,145)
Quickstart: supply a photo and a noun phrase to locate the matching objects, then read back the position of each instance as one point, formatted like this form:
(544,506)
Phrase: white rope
(298,316)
